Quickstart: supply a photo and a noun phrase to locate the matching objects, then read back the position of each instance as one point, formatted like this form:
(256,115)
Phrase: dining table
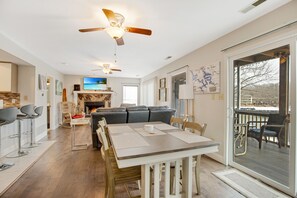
(157,149)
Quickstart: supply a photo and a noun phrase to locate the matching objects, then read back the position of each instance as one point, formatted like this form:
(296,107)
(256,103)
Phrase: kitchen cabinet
(8,77)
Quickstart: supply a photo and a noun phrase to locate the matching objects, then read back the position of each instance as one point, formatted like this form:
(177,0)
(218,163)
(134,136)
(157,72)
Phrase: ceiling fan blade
(138,30)
(91,29)
(120,41)
(109,15)
(115,69)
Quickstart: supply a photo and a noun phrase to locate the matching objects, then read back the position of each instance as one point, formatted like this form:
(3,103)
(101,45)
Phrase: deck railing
(244,116)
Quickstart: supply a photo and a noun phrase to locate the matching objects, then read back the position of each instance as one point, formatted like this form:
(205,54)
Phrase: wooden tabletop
(154,144)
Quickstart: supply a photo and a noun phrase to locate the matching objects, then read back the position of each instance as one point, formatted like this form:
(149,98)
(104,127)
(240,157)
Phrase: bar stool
(38,112)
(7,116)
(28,111)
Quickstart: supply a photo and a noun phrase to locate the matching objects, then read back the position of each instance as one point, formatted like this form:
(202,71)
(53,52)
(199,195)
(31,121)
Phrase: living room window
(130,94)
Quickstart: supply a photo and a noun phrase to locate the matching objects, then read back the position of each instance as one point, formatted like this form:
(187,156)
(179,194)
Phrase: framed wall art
(206,79)
(59,87)
(163,94)
(41,82)
(163,83)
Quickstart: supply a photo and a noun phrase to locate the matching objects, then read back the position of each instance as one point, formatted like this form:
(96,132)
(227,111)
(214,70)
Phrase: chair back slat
(196,127)
(101,133)
(177,121)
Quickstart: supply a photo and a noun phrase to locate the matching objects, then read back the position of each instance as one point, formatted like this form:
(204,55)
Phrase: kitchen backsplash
(10,99)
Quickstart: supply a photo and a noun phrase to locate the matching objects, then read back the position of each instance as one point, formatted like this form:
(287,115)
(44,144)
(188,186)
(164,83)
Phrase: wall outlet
(13,101)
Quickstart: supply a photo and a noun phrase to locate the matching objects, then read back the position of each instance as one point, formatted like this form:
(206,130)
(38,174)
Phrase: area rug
(22,164)
(247,185)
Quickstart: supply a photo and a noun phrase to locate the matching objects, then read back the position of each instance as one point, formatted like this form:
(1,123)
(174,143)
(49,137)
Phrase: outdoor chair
(273,128)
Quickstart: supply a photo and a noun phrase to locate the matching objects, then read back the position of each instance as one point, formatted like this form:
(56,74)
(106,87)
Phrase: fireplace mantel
(75,94)
(97,92)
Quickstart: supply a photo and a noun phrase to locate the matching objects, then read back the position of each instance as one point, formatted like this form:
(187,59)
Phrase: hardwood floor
(61,172)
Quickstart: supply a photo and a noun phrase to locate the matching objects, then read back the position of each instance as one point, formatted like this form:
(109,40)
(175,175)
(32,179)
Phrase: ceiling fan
(107,69)
(116,29)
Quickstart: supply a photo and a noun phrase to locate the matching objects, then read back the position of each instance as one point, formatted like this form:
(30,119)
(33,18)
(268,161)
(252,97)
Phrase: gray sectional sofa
(129,115)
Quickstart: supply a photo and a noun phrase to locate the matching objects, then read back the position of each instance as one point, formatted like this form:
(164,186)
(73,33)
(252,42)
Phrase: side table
(78,122)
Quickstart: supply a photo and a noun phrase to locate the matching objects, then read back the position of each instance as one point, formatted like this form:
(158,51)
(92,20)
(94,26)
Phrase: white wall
(115,84)
(26,84)
(212,108)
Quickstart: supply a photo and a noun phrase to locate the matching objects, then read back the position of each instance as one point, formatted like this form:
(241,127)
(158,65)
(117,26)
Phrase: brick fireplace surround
(80,97)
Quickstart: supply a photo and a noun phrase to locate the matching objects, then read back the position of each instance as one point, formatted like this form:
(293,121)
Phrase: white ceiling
(49,30)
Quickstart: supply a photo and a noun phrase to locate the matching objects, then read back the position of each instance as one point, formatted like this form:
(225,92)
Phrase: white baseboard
(217,157)
(40,136)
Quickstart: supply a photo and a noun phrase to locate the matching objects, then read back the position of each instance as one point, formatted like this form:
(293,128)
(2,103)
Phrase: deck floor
(270,161)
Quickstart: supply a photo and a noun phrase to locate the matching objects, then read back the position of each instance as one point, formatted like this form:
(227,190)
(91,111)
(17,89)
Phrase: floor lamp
(186,94)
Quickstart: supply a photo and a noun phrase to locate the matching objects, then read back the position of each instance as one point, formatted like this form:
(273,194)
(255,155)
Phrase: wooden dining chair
(198,129)
(177,121)
(115,176)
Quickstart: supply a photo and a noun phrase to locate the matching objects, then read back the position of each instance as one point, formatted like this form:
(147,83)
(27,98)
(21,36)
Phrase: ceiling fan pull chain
(115,54)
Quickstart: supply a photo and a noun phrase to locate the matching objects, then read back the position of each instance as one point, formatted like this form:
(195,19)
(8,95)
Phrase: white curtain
(148,92)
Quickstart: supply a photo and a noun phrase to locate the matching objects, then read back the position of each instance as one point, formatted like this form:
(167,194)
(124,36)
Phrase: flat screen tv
(91,83)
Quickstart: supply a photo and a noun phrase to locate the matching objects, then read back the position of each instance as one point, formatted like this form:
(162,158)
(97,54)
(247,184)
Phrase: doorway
(176,81)
(50,102)
(260,129)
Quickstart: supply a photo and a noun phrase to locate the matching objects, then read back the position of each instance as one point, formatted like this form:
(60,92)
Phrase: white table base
(158,174)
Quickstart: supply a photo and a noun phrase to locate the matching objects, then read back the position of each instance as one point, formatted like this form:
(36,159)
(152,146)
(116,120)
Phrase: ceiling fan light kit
(115,32)
(116,29)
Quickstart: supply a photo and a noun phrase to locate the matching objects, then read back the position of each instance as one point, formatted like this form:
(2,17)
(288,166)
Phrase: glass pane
(130,94)
(260,99)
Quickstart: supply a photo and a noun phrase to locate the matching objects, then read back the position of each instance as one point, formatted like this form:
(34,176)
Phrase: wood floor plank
(61,173)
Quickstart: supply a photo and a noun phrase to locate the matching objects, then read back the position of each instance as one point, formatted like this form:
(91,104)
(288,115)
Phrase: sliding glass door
(260,125)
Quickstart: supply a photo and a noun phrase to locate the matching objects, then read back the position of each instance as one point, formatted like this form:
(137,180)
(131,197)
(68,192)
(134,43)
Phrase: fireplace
(85,98)
(92,106)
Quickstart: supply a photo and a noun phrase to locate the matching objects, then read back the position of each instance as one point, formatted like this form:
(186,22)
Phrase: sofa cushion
(127,105)
(157,107)
(137,108)
(140,114)
(162,115)
(113,109)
